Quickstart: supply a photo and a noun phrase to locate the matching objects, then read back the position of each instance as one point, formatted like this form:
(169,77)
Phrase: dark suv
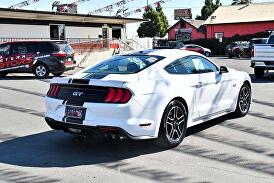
(38,57)
(238,49)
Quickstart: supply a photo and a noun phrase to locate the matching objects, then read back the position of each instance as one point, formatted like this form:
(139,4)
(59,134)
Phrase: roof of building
(6,13)
(195,23)
(255,12)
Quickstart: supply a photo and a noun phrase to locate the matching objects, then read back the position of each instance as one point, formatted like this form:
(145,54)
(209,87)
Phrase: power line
(24,4)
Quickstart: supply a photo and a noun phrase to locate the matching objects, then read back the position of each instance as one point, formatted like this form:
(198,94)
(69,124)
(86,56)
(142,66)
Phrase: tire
(3,74)
(244,101)
(173,125)
(240,54)
(41,71)
(230,56)
(207,54)
(259,73)
(58,74)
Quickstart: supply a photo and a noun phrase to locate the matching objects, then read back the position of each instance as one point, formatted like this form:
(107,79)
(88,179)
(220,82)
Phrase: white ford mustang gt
(147,94)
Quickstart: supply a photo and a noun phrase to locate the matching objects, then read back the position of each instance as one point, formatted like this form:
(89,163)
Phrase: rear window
(65,47)
(125,64)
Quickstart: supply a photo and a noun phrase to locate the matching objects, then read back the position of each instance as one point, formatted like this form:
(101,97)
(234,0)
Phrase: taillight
(53,90)
(59,54)
(118,95)
(252,52)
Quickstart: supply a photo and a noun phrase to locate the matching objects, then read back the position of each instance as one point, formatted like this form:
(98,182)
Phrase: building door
(57,32)
(116,33)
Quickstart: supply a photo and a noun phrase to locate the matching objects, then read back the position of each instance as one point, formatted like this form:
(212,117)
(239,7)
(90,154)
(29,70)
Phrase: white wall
(42,31)
(24,31)
(83,32)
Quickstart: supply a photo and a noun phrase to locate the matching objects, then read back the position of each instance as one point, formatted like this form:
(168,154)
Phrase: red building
(228,21)
(187,29)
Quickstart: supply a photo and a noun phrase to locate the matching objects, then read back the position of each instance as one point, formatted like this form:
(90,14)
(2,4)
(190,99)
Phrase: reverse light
(116,95)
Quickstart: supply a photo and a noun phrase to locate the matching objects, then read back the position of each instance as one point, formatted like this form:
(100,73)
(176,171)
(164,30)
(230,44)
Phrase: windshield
(124,64)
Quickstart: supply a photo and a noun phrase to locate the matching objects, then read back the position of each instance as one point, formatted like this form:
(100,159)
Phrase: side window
(5,49)
(181,66)
(271,40)
(203,65)
(32,48)
(44,47)
(19,49)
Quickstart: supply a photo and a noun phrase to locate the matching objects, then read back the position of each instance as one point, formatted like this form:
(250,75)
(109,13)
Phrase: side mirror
(223,69)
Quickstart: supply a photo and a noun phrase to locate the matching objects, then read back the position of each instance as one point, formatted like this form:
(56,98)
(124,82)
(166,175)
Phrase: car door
(214,88)
(20,58)
(199,49)
(185,82)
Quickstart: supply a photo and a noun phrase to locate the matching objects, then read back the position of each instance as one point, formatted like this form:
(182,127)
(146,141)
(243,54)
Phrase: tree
(156,26)
(236,2)
(208,9)
(163,21)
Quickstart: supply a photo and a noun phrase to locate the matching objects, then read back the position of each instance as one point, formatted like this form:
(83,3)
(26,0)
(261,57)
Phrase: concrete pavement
(222,150)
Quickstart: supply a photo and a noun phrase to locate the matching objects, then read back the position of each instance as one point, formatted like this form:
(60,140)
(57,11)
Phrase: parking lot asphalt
(221,150)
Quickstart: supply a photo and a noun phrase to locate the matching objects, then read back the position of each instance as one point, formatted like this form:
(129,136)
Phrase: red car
(197,48)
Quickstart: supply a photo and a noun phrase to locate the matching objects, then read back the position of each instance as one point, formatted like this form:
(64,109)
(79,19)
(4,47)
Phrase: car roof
(168,53)
(34,41)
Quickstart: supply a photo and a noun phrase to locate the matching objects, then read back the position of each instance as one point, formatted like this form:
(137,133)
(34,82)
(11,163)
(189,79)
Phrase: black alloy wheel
(244,101)
(173,125)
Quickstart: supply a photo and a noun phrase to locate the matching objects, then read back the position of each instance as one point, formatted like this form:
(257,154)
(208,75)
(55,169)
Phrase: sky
(86,7)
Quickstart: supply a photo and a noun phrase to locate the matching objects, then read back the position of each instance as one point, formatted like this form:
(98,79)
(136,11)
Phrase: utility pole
(147,2)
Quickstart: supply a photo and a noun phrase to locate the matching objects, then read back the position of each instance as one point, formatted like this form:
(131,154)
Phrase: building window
(183,35)
(57,32)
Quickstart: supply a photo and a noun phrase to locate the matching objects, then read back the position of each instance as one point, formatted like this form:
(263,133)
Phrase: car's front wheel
(173,125)
(41,71)
(244,101)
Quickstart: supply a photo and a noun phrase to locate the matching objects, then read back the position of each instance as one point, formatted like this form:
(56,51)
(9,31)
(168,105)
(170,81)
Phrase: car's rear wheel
(58,74)
(173,125)
(3,74)
(207,54)
(259,73)
(244,101)
(41,71)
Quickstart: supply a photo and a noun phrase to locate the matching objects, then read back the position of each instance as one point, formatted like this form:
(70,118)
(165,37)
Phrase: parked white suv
(262,58)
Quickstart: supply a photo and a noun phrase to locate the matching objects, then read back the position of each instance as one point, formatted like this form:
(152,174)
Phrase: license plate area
(75,113)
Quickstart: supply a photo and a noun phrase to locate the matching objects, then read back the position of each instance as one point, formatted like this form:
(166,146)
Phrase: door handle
(200,84)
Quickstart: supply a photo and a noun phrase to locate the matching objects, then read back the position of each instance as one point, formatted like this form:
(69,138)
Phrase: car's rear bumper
(136,121)
(61,67)
(262,65)
(88,130)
